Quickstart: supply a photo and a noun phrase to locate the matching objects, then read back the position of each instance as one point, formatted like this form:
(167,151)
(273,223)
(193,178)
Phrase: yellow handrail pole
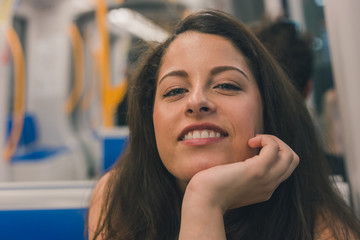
(116,94)
(78,56)
(104,60)
(19,94)
(111,95)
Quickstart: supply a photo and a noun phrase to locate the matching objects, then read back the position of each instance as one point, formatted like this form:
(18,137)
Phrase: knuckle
(288,155)
(296,158)
(277,147)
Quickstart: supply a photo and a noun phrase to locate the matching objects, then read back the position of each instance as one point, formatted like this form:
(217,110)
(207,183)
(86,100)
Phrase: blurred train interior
(64,72)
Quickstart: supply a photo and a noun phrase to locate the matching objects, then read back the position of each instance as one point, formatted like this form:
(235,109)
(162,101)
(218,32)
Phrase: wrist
(204,191)
(200,218)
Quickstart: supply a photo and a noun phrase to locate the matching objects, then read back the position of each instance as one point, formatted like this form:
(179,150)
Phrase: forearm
(200,220)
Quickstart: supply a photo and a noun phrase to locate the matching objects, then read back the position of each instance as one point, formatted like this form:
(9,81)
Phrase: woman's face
(207,105)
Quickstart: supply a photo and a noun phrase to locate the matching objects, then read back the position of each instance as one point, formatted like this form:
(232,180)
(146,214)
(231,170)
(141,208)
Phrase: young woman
(221,147)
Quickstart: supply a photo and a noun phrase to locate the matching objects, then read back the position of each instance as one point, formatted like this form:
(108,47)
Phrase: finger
(293,165)
(288,160)
(269,149)
(282,144)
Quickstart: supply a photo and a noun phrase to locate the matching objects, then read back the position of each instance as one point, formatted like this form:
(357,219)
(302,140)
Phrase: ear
(307,89)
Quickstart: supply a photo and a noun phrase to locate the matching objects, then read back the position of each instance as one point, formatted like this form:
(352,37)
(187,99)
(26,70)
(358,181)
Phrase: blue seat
(54,224)
(30,150)
(113,148)
(29,133)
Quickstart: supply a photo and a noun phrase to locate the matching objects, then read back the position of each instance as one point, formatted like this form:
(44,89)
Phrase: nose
(199,103)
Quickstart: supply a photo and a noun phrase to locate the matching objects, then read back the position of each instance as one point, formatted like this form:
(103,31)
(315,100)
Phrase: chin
(201,165)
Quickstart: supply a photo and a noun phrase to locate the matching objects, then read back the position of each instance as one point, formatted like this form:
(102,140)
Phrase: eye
(175,92)
(228,86)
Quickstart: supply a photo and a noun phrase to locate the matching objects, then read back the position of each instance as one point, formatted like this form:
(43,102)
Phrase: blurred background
(64,69)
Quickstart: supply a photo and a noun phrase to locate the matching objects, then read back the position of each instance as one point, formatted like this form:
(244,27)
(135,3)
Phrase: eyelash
(228,86)
(223,86)
(175,92)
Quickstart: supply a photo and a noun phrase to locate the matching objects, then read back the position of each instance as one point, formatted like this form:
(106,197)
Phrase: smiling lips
(202,132)
(198,134)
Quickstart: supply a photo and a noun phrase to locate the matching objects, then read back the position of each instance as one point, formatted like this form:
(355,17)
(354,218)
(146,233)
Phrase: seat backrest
(29,132)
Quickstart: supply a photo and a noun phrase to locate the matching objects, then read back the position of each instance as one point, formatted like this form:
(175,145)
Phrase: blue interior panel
(53,224)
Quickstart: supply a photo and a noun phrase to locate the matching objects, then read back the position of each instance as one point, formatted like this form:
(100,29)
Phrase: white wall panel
(342,20)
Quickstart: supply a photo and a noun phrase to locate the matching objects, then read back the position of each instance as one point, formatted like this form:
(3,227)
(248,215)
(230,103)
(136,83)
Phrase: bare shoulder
(96,203)
(100,188)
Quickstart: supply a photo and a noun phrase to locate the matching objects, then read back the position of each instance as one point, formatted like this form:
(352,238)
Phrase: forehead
(191,41)
(207,50)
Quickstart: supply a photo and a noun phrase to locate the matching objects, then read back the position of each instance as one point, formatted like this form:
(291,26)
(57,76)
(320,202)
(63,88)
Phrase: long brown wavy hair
(142,199)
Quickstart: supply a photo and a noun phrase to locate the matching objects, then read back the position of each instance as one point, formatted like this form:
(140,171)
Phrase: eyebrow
(179,73)
(214,71)
(221,69)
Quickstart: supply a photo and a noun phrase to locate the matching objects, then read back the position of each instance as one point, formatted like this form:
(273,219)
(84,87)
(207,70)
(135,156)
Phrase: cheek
(163,120)
(249,122)
(158,122)
(163,132)
(258,121)
(256,117)
(250,119)
(166,118)
(260,117)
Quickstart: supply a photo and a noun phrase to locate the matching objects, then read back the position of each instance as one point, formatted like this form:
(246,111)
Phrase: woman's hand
(213,191)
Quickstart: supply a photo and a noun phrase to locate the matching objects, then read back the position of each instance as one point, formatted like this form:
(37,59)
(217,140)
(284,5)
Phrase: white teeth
(202,134)
(196,134)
